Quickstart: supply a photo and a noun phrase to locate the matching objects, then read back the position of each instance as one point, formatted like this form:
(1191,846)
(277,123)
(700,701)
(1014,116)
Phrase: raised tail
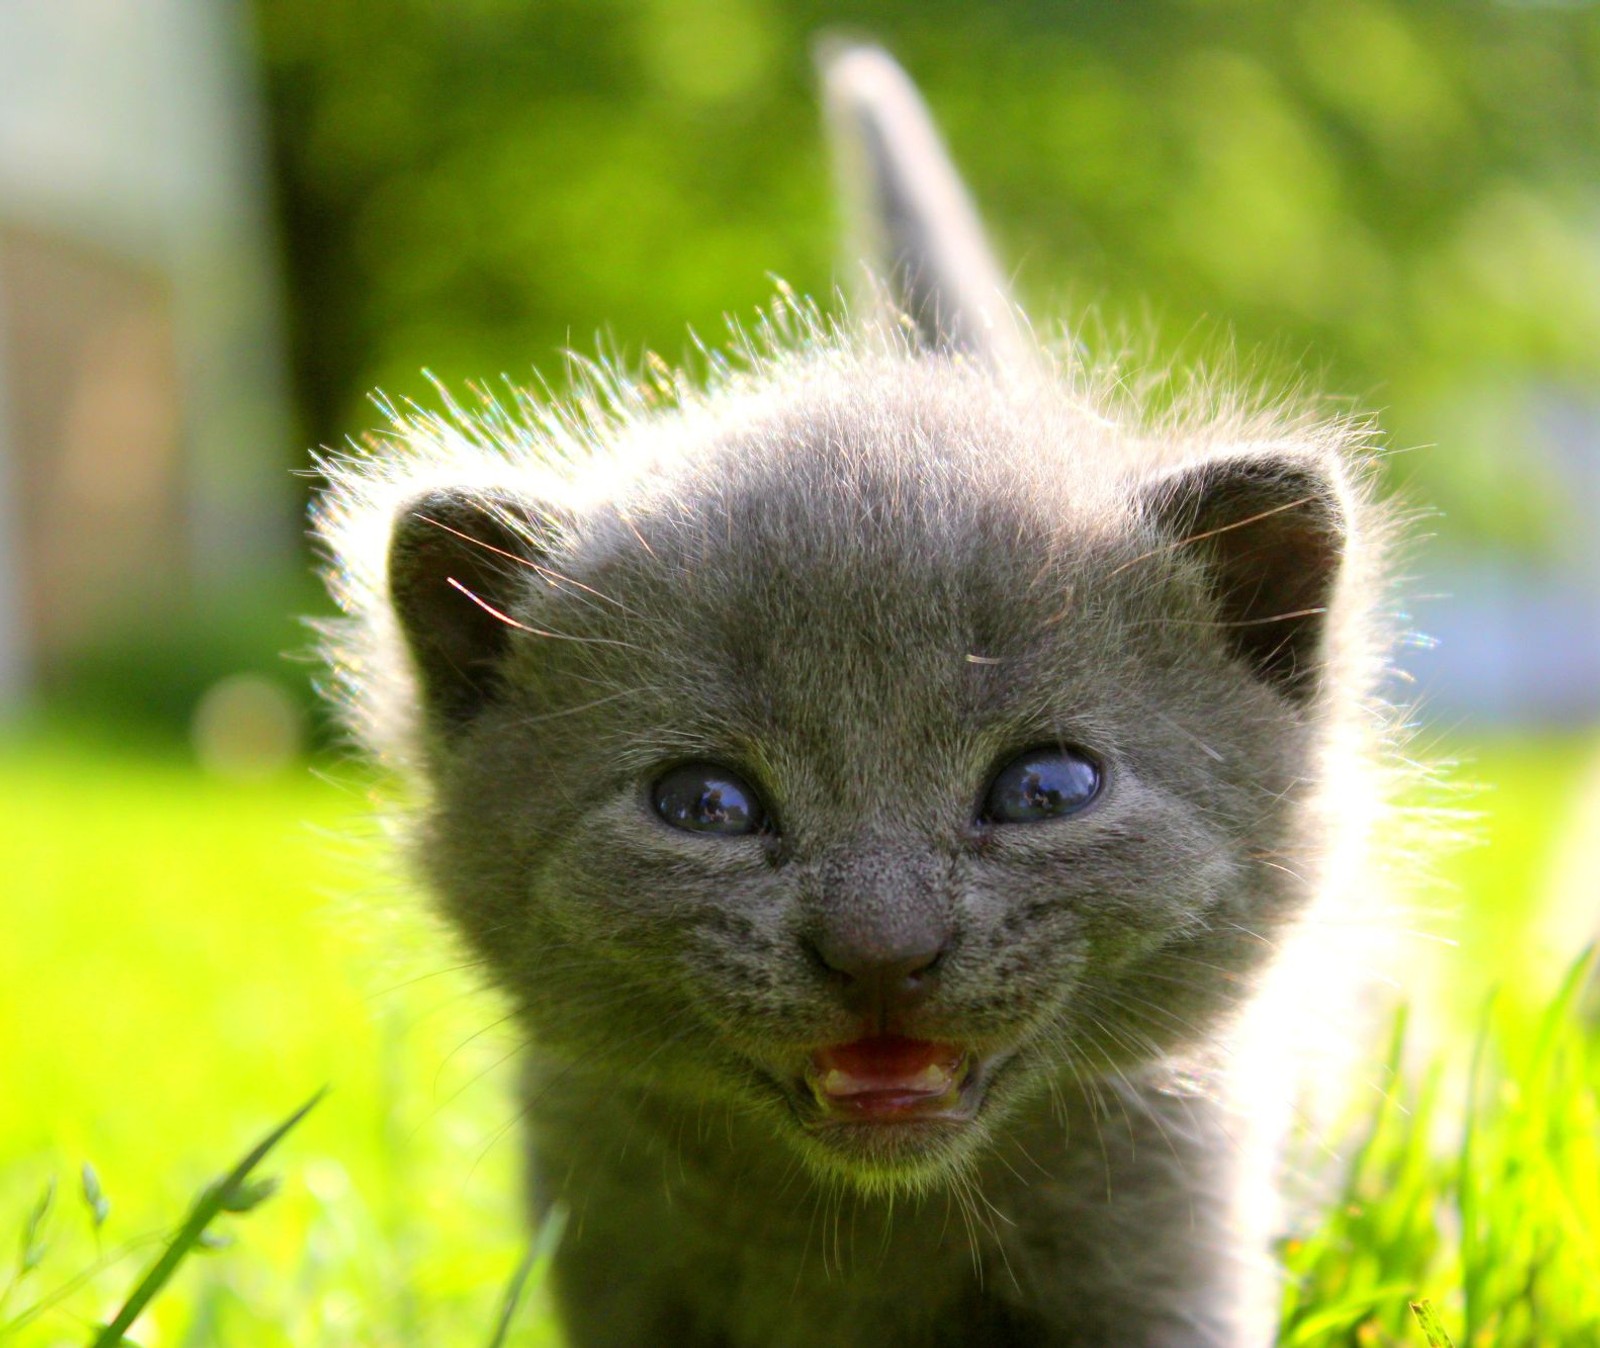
(911,221)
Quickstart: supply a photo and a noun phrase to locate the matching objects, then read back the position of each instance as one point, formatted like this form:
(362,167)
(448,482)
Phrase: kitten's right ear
(910,216)
(458,559)
(1272,530)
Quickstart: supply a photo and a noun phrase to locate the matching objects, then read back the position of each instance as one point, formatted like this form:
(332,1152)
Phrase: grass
(1488,1209)
(186,959)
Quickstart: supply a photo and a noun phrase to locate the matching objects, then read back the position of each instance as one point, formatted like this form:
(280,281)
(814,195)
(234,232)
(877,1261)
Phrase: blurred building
(142,403)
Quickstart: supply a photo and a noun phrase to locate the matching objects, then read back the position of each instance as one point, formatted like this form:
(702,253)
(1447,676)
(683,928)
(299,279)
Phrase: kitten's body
(864,575)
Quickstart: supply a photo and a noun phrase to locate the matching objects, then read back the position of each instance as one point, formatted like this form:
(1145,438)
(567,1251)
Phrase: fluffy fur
(864,566)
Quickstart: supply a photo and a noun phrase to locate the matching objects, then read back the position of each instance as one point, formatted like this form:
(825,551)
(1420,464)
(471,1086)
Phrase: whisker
(509,621)
(1211,533)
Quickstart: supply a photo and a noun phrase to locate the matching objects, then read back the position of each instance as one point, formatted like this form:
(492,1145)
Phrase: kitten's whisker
(509,621)
(450,1057)
(529,722)
(1231,623)
(1279,866)
(1212,533)
(547,572)
(443,971)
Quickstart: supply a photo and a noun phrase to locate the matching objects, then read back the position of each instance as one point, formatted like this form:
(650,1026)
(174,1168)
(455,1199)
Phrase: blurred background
(223,226)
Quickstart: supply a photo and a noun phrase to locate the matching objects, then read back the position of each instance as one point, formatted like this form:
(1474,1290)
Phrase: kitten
(888,784)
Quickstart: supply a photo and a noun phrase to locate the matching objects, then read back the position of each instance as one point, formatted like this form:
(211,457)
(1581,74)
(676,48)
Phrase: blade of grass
(1429,1321)
(1472,1270)
(1315,1326)
(539,1250)
(232,1193)
(30,1249)
(50,1301)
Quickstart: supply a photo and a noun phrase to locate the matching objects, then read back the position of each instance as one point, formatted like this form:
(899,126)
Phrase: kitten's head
(873,744)
(889,735)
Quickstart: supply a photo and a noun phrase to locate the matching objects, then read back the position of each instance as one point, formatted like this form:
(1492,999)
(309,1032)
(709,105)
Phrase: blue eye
(704,798)
(1041,784)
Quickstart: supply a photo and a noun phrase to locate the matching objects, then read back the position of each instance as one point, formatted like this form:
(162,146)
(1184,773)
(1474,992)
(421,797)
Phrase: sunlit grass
(1478,1191)
(184,960)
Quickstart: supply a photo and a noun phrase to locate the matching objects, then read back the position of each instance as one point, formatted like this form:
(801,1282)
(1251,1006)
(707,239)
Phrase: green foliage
(182,957)
(1396,191)
(145,678)
(235,1192)
(1429,1320)
(1483,1193)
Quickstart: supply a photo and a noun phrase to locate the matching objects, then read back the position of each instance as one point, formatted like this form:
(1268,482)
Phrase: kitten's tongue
(887,1077)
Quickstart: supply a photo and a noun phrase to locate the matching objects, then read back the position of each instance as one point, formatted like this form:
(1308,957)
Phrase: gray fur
(864,573)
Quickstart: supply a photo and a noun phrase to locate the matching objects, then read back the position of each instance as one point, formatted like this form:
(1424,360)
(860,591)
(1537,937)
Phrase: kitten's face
(873,788)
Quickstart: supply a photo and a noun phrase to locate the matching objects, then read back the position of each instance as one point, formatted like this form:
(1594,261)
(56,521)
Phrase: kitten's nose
(878,981)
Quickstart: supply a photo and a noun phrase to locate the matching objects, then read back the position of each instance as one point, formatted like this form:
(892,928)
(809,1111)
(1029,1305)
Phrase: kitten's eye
(1041,784)
(704,798)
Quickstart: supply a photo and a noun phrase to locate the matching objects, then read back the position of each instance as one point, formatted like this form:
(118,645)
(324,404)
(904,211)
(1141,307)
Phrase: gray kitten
(895,787)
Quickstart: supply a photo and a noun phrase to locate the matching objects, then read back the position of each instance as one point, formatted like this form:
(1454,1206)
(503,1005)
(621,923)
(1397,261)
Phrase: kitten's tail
(910,219)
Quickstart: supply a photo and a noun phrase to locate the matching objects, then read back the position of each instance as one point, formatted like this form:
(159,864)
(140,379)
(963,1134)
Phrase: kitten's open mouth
(886,1079)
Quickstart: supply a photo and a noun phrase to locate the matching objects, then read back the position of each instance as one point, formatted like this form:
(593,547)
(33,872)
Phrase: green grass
(184,960)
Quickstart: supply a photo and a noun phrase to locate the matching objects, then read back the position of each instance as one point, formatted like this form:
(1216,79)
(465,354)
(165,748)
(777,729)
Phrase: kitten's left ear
(1272,530)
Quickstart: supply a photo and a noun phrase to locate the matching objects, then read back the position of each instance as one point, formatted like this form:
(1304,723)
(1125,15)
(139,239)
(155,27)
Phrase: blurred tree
(1400,192)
